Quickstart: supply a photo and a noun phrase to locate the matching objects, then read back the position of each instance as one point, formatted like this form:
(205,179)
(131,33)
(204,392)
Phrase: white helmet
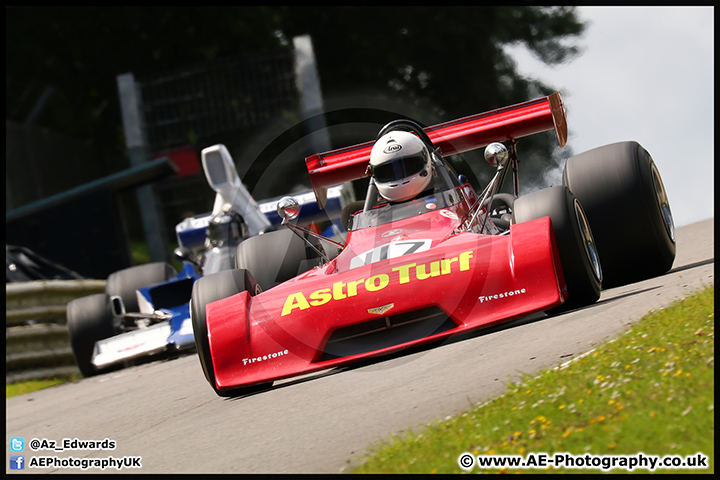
(401,165)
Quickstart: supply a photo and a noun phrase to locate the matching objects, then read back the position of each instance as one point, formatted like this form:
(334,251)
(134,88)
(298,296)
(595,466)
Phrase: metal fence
(37,345)
(223,101)
(229,95)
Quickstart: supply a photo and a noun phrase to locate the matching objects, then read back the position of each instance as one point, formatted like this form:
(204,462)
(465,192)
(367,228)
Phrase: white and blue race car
(144,311)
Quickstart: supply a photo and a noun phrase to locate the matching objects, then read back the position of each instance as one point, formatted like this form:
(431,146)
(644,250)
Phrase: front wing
(325,319)
(174,335)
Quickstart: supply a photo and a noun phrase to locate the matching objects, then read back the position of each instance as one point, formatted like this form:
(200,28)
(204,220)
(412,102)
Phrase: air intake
(386,332)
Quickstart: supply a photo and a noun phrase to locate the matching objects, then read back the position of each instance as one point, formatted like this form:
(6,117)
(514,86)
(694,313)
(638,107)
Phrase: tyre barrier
(37,345)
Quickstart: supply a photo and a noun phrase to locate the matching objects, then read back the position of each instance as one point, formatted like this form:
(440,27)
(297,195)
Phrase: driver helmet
(401,165)
(226,228)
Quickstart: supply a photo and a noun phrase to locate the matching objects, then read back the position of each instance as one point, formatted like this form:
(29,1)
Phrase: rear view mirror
(288,208)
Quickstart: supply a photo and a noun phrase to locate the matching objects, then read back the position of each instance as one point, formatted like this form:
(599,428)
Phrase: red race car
(426,256)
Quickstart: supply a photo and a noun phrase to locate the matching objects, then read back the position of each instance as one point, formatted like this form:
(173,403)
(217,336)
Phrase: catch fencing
(37,345)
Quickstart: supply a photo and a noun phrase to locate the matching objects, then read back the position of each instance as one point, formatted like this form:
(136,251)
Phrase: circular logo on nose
(392,148)
(449,214)
(390,233)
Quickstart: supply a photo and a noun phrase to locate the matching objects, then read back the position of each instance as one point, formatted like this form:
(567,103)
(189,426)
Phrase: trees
(439,62)
(436,62)
(450,54)
(79,51)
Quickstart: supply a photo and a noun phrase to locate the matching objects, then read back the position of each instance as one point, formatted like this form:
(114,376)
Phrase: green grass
(14,389)
(651,391)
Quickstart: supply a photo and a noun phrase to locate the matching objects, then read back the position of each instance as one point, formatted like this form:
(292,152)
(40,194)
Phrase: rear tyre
(124,283)
(208,289)
(622,193)
(89,320)
(275,257)
(578,255)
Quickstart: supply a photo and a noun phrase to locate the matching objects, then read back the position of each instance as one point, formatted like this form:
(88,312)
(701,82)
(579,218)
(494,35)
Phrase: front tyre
(576,246)
(622,193)
(208,289)
(89,320)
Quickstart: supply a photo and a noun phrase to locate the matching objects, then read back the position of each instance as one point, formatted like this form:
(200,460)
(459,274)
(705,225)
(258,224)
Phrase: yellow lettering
(295,300)
(446,264)
(321,297)
(377,282)
(404,272)
(352,287)
(338,293)
(383,278)
(423,275)
(465,261)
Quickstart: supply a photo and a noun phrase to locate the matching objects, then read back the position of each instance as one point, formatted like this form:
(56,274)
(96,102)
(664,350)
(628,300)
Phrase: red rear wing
(457,136)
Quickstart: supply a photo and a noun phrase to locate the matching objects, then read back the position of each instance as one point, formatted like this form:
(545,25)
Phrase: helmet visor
(399,168)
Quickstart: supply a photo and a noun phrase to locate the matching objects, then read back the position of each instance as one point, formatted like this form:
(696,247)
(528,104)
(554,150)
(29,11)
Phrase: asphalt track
(166,413)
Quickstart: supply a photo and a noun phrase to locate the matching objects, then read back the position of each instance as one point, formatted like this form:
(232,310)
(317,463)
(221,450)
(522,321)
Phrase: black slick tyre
(124,283)
(89,319)
(208,289)
(622,193)
(275,257)
(578,255)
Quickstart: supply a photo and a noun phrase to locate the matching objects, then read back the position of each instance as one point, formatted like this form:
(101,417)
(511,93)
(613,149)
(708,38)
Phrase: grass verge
(14,389)
(650,391)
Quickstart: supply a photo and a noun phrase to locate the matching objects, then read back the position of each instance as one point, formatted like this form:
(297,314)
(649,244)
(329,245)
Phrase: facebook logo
(17,462)
(17,444)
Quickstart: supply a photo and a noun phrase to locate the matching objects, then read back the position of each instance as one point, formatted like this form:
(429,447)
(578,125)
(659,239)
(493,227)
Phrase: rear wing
(453,137)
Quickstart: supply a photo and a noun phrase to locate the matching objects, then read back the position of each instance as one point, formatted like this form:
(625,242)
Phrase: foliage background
(430,64)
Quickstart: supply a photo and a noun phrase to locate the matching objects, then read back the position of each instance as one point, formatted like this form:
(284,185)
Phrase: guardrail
(36,336)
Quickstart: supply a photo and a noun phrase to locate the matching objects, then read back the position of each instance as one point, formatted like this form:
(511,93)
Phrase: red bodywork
(395,285)
(458,136)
